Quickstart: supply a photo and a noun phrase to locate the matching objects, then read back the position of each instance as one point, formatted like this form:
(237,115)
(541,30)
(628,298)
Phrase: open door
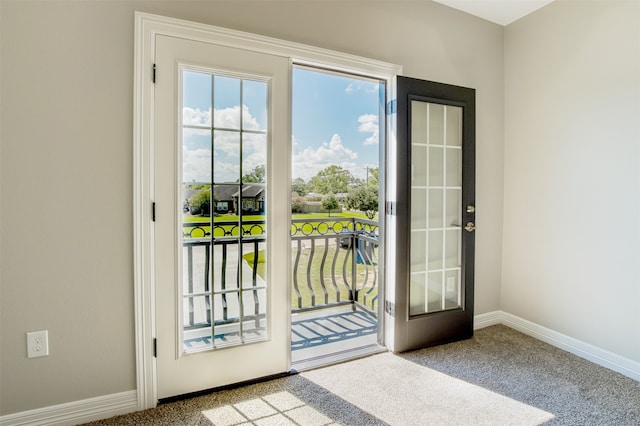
(221,219)
(433,215)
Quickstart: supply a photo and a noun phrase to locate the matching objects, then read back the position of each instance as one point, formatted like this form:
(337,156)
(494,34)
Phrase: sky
(335,121)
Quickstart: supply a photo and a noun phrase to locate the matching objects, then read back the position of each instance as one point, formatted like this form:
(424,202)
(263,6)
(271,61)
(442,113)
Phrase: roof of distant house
(229,191)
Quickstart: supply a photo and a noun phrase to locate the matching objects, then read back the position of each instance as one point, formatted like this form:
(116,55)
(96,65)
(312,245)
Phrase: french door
(221,215)
(431,301)
(215,154)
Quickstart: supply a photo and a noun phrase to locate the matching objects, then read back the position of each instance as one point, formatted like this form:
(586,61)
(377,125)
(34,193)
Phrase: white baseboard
(486,320)
(76,412)
(577,347)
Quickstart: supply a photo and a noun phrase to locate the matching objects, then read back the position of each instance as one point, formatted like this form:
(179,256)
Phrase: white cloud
(369,124)
(196,165)
(308,162)
(367,87)
(226,172)
(228,118)
(196,117)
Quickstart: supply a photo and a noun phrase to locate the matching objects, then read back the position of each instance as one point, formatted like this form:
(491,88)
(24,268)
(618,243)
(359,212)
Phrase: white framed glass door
(221,226)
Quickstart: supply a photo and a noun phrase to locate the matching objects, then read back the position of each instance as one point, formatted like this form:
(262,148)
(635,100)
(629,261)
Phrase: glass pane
(223,203)
(254,324)
(226,102)
(419,122)
(252,197)
(197,339)
(452,248)
(436,124)
(254,105)
(196,155)
(418,254)
(418,165)
(452,287)
(435,208)
(418,209)
(225,260)
(196,310)
(196,279)
(255,260)
(226,151)
(454,207)
(435,250)
(436,167)
(454,126)
(417,304)
(434,301)
(454,167)
(254,157)
(196,99)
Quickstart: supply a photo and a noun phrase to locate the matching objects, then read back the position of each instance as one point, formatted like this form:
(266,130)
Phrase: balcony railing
(334,263)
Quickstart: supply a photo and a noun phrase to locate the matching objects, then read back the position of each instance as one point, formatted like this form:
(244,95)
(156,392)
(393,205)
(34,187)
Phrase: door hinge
(153,211)
(390,308)
(154,73)
(155,347)
(391,208)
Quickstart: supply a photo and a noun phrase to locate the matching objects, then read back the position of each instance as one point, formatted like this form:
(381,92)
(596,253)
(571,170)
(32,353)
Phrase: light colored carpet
(499,377)
(400,392)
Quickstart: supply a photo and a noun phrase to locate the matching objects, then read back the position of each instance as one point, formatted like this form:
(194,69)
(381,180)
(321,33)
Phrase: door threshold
(208,391)
(336,357)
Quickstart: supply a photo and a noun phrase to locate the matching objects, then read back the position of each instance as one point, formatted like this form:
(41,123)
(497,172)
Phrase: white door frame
(147,27)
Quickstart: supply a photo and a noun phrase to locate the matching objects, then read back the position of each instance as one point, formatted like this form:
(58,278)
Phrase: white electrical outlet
(37,344)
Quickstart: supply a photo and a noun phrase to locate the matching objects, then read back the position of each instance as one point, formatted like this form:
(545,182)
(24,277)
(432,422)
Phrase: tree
(330,202)
(200,202)
(365,199)
(332,179)
(297,203)
(197,186)
(299,186)
(372,176)
(257,175)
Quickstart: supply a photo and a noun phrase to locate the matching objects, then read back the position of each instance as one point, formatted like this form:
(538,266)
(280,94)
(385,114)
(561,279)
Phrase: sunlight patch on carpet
(400,392)
(278,409)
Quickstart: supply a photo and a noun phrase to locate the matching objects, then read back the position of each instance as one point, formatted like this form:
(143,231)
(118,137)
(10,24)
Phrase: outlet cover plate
(37,344)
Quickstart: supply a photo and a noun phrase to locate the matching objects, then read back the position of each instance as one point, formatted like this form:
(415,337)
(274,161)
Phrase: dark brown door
(434,215)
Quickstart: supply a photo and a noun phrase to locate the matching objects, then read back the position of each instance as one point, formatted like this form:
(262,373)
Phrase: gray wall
(572,172)
(66,184)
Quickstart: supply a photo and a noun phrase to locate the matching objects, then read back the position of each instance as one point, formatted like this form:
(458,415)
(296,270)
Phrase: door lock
(470,227)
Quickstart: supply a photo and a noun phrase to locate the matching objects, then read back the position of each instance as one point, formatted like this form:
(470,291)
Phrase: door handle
(470,227)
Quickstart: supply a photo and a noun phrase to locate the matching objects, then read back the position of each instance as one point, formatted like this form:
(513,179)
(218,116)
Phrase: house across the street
(226,198)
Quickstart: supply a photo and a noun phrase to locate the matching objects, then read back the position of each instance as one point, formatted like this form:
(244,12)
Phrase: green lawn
(349,214)
(258,230)
(314,274)
(234,218)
